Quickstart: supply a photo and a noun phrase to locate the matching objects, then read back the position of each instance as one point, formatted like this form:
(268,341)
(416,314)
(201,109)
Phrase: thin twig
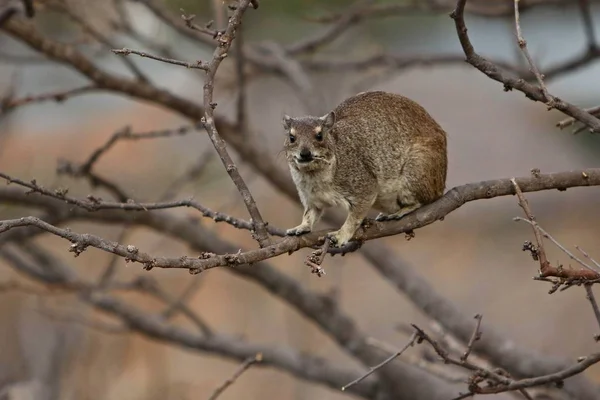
(388,360)
(193,65)
(104,40)
(192,287)
(539,253)
(474,337)
(523,46)
(501,381)
(127,134)
(241,369)
(592,299)
(195,171)
(150,286)
(557,244)
(586,255)
(189,22)
(8,104)
(347,19)
(92,203)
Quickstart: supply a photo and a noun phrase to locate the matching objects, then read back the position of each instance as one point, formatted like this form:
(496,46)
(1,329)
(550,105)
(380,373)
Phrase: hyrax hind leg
(404,203)
(419,183)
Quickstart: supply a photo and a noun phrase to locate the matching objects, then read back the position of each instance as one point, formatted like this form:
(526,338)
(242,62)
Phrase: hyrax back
(374,150)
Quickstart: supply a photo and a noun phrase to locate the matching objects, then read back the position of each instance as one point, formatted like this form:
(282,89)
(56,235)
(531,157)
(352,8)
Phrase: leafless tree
(458,359)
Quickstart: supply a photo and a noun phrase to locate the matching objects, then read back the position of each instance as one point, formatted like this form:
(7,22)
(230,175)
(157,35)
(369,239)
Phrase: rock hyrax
(375,150)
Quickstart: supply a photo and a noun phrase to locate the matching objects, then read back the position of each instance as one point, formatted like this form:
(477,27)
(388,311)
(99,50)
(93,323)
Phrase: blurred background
(473,257)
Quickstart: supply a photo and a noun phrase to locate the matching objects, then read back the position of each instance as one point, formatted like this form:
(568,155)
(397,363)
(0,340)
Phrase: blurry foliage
(289,7)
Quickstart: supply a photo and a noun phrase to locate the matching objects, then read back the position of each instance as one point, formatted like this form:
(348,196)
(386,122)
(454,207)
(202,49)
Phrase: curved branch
(531,91)
(319,309)
(424,216)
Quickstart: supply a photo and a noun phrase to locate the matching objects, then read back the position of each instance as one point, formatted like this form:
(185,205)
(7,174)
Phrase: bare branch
(9,104)
(586,255)
(424,216)
(189,22)
(302,365)
(219,54)
(555,242)
(195,171)
(347,19)
(92,203)
(180,301)
(388,360)
(492,71)
(98,36)
(582,364)
(484,8)
(474,337)
(127,134)
(241,369)
(592,299)
(539,252)
(501,381)
(421,217)
(549,100)
(570,121)
(192,65)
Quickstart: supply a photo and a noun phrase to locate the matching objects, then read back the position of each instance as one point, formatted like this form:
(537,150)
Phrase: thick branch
(303,366)
(318,308)
(424,216)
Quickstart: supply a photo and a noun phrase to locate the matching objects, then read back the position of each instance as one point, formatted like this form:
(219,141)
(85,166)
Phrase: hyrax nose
(305,154)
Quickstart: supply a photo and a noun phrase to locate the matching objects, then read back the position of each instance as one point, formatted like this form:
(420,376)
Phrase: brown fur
(376,150)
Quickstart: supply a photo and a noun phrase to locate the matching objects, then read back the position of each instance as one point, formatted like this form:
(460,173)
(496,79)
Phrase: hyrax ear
(287,121)
(328,120)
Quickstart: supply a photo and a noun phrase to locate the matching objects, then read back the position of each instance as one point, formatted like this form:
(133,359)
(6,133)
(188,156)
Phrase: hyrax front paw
(339,238)
(299,230)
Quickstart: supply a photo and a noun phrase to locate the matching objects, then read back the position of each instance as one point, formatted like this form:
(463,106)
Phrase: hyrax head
(308,145)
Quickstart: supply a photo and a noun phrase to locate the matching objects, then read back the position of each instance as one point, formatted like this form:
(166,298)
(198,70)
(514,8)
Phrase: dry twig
(241,369)
(388,360)
(592,299)
(192,65)
(539,252)
(549,100)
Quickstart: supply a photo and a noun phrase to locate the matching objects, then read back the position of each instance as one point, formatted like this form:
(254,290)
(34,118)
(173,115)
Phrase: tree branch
(225,40)
(492,71)
(241,369)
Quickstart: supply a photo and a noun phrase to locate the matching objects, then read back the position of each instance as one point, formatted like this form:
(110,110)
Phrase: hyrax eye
(292,138)
(319,136)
